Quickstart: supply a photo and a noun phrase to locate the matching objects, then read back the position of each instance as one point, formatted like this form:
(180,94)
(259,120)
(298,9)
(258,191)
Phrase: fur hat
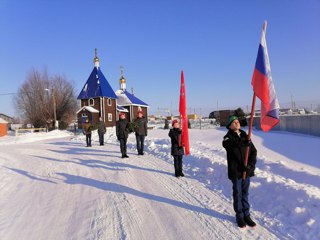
(231,119)
(174,122)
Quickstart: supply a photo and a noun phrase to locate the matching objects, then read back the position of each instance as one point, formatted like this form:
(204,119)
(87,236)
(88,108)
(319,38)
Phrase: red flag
(183,116)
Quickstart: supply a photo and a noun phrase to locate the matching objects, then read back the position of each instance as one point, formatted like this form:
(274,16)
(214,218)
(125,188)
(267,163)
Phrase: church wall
(110,111)
(135,111)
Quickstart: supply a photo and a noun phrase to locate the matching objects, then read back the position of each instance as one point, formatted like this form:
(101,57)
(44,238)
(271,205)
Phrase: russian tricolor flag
(263,86)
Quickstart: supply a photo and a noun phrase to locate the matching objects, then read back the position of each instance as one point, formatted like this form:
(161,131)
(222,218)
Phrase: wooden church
(97,99)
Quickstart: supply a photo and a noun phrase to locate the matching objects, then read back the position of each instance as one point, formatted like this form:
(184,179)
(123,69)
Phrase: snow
(53,187)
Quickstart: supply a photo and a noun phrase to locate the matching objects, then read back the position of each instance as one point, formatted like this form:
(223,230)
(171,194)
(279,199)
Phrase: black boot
(180,166)
(176,173)
(249,221)
(241,223)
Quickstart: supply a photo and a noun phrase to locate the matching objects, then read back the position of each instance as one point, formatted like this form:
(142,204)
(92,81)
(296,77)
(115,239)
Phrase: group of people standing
(87,131)
(236,143)
(123,130)
(141,131)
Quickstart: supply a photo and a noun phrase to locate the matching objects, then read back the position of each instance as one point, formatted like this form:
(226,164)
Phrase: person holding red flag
(180,136)
(176,148)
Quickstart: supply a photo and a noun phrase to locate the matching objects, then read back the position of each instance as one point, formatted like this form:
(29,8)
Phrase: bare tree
(66,101)
(35,104)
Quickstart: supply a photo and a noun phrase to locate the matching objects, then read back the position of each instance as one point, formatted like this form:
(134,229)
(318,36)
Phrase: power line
(3,94)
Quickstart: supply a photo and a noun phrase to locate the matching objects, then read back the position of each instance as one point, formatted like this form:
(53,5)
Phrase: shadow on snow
(114,187)
(27,174)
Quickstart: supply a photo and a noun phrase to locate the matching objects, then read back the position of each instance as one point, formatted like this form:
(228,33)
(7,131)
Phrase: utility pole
(54,106)
(54,109)
(200,117)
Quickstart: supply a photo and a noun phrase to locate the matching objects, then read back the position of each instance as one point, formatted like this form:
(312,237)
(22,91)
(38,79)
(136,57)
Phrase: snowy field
(53,187)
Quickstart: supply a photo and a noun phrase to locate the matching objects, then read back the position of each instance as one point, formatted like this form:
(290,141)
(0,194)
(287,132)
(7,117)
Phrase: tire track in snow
(115,217)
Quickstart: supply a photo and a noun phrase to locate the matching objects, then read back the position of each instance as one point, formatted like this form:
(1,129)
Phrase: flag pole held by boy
(263,88)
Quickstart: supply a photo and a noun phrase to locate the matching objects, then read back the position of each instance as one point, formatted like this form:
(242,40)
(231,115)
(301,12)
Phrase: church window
(110,117)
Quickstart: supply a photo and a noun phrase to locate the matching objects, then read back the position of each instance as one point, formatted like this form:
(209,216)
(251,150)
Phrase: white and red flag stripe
(263,86)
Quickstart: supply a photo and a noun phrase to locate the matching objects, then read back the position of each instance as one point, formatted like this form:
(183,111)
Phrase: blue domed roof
(97,86)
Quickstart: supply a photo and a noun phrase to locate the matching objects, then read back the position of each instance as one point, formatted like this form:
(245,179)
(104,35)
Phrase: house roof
(5,116)
(96,86)
(126,98)
(3,121)
(90,109)
(121,109)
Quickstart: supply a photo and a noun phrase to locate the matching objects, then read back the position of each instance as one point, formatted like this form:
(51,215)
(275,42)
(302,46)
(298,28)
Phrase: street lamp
(54,106)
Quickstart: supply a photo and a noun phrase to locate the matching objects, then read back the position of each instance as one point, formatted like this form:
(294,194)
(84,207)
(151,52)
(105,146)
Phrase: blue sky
(214,42)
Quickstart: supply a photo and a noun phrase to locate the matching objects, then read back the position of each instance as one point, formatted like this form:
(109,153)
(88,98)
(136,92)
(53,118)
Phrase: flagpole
(264,28)
(249,132)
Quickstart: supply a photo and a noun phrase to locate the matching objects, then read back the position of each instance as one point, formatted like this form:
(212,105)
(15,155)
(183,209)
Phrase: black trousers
(140,143)
(123,145)
(88,139)
(240,194)
(177,164)
(101,137)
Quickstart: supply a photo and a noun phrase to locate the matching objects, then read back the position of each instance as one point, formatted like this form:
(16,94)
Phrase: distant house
(3,127)
(97,98)
(192,116)
(8,119)
(221,116)
(129,101)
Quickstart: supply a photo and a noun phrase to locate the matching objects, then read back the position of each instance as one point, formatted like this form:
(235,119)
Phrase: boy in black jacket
(235,142)
(176,149)
(122,127)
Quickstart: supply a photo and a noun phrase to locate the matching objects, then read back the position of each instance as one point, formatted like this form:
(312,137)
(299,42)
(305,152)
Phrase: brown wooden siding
(112,110)
(135,112)
(94,118)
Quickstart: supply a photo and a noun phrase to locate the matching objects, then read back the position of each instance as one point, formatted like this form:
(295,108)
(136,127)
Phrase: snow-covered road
(60,189)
